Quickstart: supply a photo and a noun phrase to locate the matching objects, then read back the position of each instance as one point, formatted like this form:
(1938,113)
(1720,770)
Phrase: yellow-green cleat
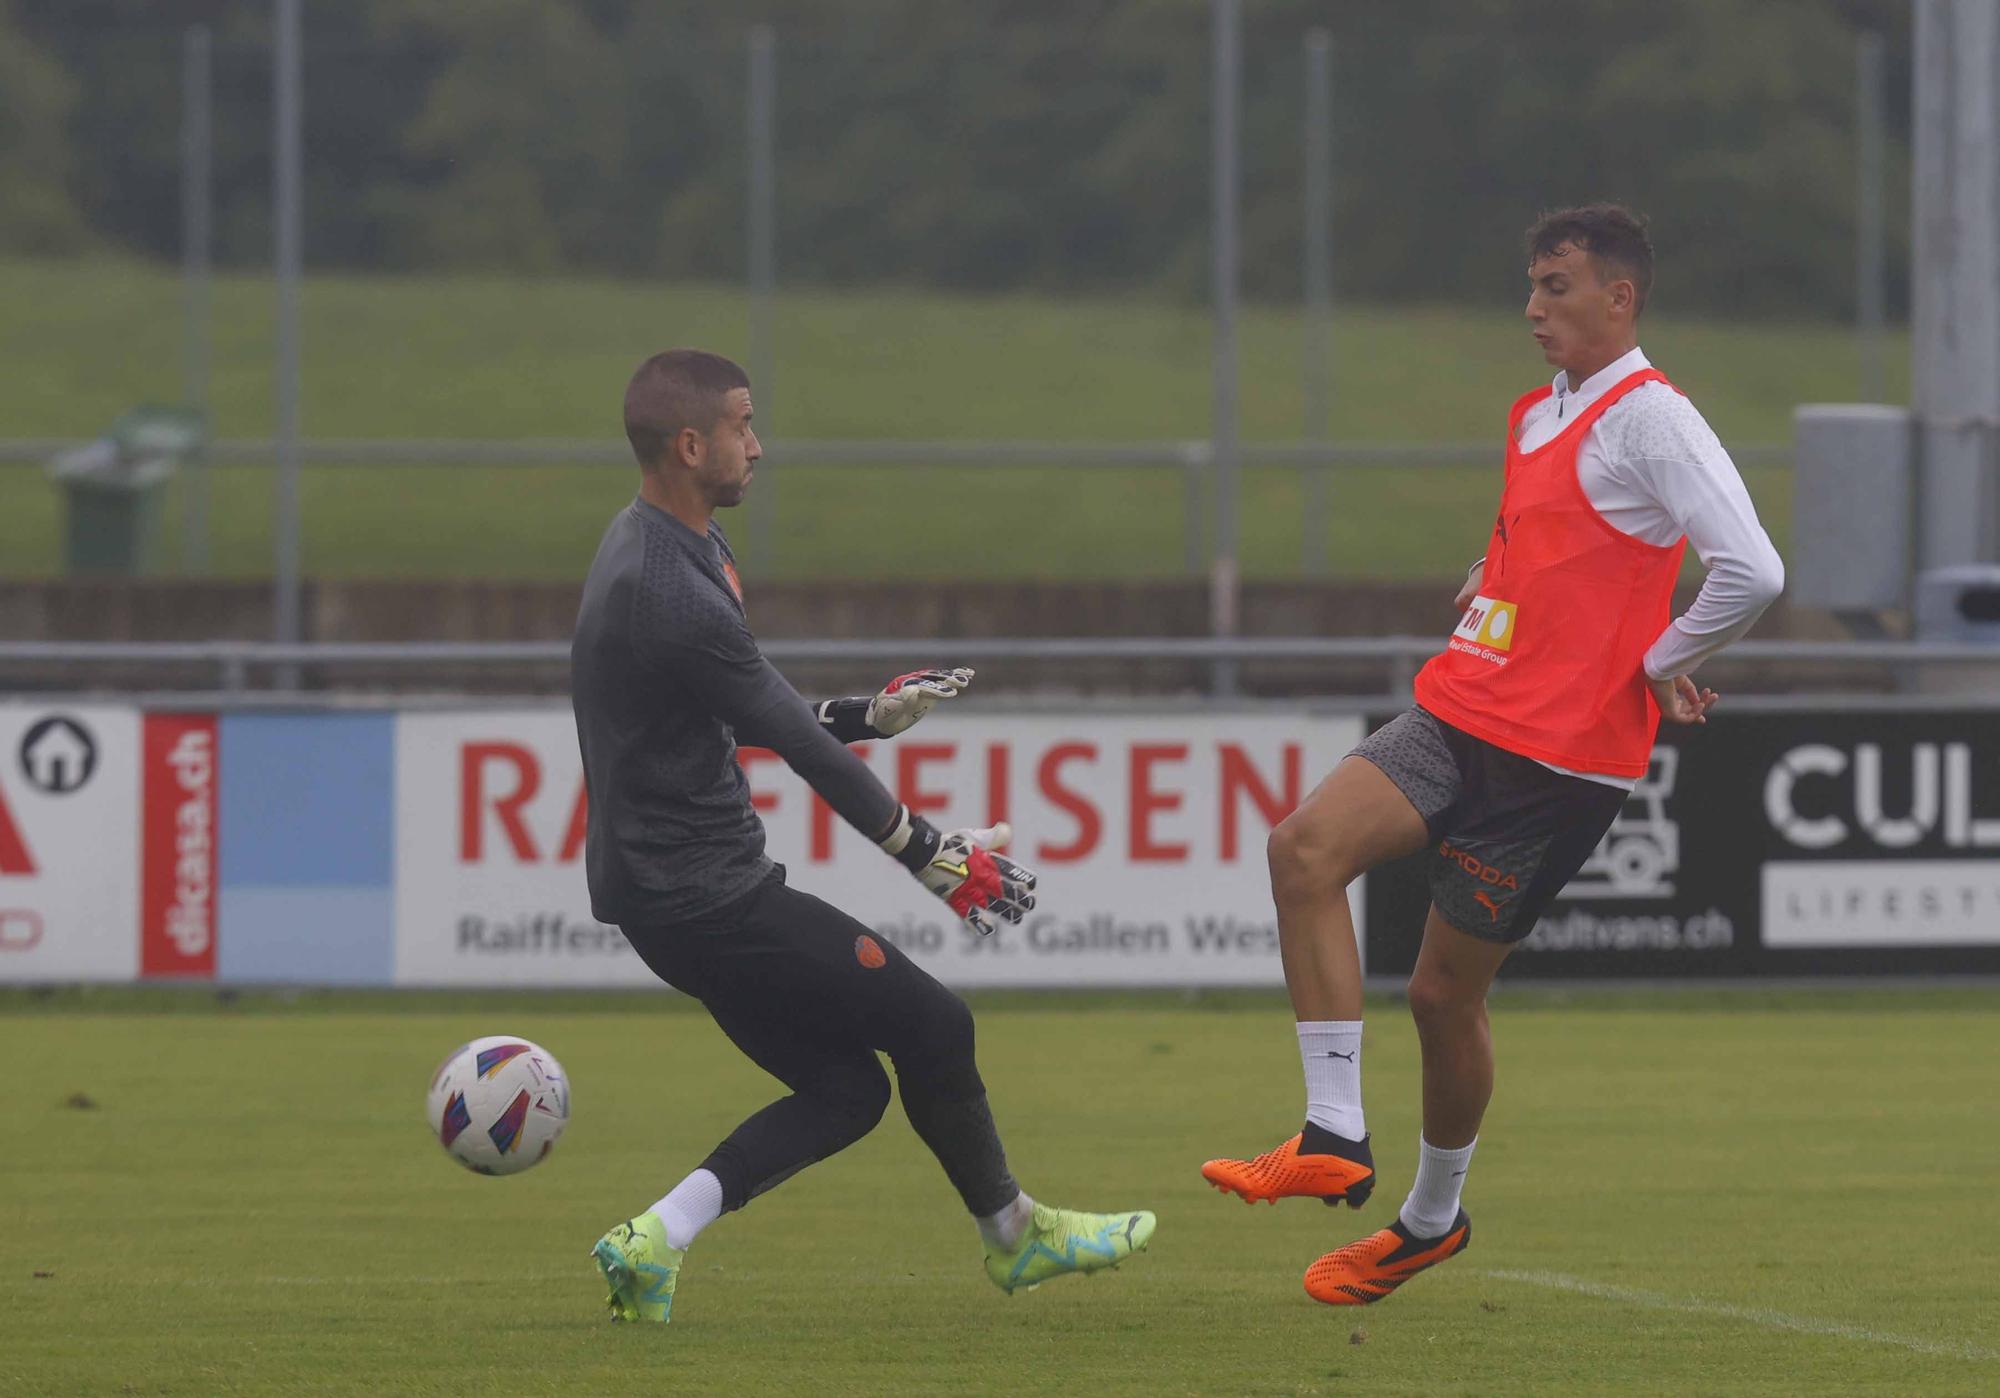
(640,1269)
(1060,1241)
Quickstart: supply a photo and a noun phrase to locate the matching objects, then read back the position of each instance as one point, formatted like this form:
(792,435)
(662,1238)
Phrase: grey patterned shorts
(1509,832)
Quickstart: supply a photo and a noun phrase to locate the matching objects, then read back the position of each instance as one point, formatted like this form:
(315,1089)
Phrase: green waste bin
(114,490)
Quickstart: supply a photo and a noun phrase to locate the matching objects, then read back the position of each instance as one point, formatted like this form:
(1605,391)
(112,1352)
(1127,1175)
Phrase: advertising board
(181,820)
(1774,844)
(1147,832)
(69,842)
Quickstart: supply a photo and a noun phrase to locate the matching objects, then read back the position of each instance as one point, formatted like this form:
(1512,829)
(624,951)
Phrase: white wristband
(898,837)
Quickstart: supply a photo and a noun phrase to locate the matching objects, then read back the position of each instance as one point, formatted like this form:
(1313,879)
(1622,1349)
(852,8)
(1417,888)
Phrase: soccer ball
(497,1104)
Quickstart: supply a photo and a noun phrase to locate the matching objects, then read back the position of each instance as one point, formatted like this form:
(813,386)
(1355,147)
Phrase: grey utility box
(1960,605)
(1853,489)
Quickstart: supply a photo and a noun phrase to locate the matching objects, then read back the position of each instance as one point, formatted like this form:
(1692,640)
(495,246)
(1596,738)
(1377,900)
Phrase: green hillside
(500,358)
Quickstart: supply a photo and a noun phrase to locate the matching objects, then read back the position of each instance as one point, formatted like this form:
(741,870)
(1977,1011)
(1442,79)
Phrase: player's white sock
(1330,1050)
(1433,1201)
(1004,1229)
(689,1207)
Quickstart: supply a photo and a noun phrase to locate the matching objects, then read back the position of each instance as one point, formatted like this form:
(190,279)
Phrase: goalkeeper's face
(730,452)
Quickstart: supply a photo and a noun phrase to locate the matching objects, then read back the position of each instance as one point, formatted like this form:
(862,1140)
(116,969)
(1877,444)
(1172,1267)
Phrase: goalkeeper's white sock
(1433,1201)
(1330,1051)
(689,1207)
(1004,1229)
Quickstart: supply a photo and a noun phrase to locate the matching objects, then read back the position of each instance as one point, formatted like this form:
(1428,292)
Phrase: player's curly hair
(1612,234)
(676,389)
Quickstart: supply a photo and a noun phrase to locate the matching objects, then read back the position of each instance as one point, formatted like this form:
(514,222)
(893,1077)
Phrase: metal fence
(252,672)
(251,144)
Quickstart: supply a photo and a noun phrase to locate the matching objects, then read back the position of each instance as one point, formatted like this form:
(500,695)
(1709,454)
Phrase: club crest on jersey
(1487,629)
(735,583)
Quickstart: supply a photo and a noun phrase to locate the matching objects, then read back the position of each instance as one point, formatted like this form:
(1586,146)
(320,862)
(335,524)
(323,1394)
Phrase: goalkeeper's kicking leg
(809,994)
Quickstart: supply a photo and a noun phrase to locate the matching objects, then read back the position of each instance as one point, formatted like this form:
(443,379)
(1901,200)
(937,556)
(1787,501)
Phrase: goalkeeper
(666,679)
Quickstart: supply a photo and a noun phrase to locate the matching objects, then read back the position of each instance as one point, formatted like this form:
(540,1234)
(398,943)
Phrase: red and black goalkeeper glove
(965,868)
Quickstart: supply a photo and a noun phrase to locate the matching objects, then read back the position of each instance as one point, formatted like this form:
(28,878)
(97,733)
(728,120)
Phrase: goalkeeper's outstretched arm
(901,703)
(739,686)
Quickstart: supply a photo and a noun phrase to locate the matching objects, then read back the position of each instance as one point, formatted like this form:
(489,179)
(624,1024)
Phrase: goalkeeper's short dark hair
(1611,233)
(674,390)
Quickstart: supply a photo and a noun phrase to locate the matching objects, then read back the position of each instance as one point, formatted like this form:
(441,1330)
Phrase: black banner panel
(1772,844)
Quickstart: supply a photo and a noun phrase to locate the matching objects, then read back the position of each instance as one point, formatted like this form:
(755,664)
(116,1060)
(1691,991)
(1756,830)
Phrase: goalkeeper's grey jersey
(665,678)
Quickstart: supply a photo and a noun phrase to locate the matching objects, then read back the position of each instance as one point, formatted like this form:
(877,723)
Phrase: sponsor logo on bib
(1486,630)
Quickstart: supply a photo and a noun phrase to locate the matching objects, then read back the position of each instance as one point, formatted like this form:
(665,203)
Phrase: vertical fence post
(1225,83)
(1955,281)
(762,264)
(197,136)
(286,180)
(1194,487)
(1870,270)
(1318,328)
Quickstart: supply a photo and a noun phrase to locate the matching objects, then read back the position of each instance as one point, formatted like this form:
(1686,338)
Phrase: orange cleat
(1289,1173)
(1364,1272)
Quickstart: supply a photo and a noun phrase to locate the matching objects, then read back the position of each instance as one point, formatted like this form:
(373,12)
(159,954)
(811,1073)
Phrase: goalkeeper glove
(984,887)
(901,703)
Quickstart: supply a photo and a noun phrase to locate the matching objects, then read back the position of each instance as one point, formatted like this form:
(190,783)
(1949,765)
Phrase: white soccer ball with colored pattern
(498,1104)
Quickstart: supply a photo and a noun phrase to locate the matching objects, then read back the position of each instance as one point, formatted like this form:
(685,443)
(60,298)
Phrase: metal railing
(246,668)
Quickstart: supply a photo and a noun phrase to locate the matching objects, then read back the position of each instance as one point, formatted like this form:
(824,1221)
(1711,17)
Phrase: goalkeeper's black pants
(810,995)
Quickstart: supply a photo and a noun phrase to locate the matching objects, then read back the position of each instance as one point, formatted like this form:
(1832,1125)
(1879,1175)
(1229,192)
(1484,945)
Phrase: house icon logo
(58,755)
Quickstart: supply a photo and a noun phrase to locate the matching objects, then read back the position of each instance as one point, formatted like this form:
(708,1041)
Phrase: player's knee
(935,1054)
(1305,856)
(1430,1001)
(858,1094)
(949,1031)
(1438,1000)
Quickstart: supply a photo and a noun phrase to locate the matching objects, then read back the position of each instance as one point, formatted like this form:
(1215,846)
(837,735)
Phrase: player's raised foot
(639,1268)
(1364,1272)
(1315,1164)
(1060,1241)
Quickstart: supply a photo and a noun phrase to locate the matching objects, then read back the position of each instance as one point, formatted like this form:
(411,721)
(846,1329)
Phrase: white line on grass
(1756,1315)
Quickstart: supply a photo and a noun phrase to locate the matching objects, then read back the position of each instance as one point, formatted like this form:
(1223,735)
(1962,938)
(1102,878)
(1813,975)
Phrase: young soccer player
(666,680)
(1529,731)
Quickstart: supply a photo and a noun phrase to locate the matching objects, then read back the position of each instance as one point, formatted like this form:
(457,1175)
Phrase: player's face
(733,449)
(1571,308)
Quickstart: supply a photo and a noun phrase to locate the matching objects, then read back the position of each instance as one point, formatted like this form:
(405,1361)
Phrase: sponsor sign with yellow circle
(1488,622)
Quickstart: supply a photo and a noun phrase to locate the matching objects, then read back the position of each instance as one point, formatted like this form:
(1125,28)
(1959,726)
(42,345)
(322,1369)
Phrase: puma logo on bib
(1486,630)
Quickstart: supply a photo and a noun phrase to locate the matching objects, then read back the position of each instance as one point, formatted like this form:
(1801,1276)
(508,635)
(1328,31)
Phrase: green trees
(37,213)
(993,144)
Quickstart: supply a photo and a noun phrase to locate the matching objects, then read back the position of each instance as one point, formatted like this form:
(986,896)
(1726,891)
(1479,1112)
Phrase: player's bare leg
(1448,1001)
(1354,820)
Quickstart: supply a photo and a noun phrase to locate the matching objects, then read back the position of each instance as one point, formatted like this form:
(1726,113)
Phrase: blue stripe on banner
(308,799)
(307,936)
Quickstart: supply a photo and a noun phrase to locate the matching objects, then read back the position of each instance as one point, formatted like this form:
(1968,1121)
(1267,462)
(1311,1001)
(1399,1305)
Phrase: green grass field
(1699,1193)
(471,357)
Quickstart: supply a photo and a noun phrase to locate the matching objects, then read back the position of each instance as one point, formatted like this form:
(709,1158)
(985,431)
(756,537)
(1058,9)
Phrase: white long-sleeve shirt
(1655,470)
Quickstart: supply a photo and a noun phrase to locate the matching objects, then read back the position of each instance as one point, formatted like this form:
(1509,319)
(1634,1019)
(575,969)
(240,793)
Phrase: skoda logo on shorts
(58,755)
